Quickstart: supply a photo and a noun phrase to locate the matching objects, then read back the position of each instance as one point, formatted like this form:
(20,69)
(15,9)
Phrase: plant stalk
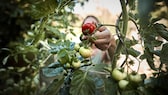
(123,33)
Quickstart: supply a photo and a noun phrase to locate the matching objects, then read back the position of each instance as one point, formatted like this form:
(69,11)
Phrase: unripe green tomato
(67,65)
(76,47)
(123,84)
(118,75)
(135,78)
(85,52)
(76,64)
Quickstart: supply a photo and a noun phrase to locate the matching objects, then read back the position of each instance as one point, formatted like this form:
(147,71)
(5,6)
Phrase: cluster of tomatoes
(84,52)
(124,79)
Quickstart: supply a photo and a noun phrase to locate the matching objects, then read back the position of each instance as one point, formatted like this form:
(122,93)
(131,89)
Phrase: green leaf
(156,43)
(133,52)
(130,43)
(51,72)
(42,8)
(54,87)
(5,60)
(71,31)
(149,57)
(63,56)
(131,4)
(82,84)
(161,30)
(66,44)
(164,54)
(144,9)
(56,32)
(111,86)
(98,67)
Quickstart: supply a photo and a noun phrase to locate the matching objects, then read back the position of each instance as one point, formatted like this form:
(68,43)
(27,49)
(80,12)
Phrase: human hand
(103,38)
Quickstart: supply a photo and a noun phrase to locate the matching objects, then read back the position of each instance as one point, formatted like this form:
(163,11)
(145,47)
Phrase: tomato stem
(122,34)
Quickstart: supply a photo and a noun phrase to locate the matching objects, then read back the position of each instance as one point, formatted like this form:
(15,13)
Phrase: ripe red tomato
(88,28)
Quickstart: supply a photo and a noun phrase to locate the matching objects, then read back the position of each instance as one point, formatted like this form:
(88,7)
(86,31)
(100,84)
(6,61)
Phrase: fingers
(102,28)
(103,43)
(104,34)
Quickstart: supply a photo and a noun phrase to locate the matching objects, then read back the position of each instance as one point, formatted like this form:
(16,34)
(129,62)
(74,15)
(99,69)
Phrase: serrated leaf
(82,84)
(161,30)
(164,53)
(54,87)
(149,57)
(156,43)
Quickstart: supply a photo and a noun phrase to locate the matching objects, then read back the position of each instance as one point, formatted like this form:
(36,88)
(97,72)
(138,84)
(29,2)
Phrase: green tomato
(76,64)
(135,78)
(86,53)
(123,84)
(76,47)
(118,75)
(67,65)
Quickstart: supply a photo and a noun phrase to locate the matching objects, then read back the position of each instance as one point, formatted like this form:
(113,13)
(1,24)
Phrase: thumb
(102,28)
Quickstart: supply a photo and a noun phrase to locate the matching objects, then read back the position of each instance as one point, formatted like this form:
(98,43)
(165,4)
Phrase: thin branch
(131,19)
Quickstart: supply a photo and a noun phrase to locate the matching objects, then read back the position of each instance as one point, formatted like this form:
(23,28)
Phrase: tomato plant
(45,61)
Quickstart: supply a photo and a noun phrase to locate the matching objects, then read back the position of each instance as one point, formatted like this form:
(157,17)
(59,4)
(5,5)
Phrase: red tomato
(88,28)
